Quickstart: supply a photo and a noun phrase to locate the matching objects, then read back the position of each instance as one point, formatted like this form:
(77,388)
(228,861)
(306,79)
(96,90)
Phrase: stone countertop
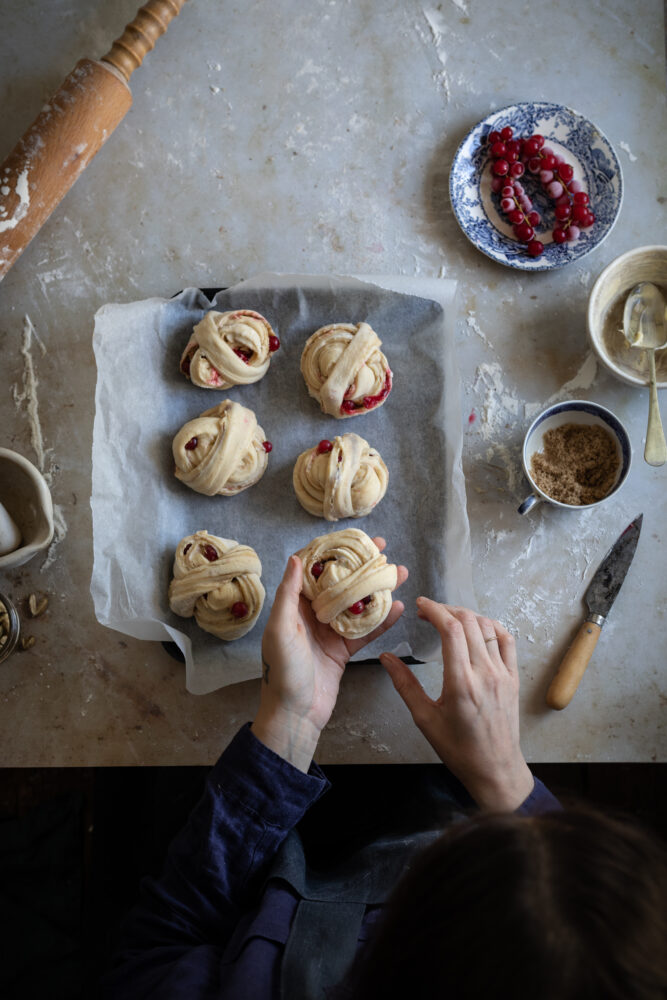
(318,138)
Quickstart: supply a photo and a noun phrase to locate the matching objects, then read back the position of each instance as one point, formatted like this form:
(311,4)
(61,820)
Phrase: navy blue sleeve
(539,801)
(173,939)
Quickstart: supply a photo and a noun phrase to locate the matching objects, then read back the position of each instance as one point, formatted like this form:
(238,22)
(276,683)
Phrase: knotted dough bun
(345,370)
(348,581)
(220,452)
(230,348)
(340,478)
(218,581)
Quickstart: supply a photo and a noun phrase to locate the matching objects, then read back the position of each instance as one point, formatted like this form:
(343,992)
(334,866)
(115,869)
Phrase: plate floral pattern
(573,137)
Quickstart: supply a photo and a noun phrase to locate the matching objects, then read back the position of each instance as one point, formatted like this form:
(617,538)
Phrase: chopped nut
(37,605)
(8,629)
(27,641)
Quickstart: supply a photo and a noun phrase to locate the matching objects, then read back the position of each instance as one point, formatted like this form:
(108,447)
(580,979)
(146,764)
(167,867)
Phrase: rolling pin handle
(152,20)
(70,130)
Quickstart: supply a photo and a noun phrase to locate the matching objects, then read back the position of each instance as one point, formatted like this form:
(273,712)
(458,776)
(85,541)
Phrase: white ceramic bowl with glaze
(26,497)
(605,314)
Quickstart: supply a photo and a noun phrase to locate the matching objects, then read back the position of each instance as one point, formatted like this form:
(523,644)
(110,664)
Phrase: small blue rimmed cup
(574,411)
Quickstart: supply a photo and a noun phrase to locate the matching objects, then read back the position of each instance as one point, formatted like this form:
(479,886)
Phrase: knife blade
(600,594)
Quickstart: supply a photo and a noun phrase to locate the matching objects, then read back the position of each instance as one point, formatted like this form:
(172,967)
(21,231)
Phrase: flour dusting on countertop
(21,209)
(29,397)
(500,403)
(59,533)
(501,409)
(522,550)
(29,394)
(472,323)
(355,730)
(531,608)
(584,379)
(626,149)
(495,538)
(508,460)
(537,536)
(437,26)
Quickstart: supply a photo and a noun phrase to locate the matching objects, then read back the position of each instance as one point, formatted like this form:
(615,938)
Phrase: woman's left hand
(302,664)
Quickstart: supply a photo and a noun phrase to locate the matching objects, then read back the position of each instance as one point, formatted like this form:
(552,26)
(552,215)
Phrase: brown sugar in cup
(579,464)
(576,454)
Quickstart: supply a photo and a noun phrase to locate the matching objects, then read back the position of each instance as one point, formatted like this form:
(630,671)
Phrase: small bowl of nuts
(26,510)
(9,627)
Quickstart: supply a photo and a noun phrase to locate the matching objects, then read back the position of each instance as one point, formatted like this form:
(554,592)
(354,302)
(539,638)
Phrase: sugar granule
(579,464)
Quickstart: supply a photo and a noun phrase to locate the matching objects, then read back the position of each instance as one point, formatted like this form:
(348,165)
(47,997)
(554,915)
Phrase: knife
(600,595)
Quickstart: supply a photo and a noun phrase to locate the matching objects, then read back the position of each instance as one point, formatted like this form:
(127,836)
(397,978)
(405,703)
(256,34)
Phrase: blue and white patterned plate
(571,136)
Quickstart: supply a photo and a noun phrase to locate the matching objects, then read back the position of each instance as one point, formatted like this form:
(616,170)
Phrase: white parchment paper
(140,511)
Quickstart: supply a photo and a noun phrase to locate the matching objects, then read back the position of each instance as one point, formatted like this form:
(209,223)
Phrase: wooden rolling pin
(70,129)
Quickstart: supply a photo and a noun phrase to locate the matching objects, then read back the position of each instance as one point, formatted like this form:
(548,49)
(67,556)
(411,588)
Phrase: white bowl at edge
(613,284)
(25,495)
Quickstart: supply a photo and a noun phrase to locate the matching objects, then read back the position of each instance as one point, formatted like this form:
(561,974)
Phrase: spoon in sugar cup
(644,328)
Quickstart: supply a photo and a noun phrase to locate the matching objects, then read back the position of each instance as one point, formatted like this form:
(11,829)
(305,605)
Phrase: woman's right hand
(474,725)
(303,662)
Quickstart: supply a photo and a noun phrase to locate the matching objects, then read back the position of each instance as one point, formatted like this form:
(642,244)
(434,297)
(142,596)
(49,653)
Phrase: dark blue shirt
(210,927)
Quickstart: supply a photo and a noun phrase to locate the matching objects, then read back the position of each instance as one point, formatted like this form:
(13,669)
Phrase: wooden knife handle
(572,666)
(152,20)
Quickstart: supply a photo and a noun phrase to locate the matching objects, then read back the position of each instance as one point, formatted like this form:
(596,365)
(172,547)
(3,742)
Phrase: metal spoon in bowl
(644,327)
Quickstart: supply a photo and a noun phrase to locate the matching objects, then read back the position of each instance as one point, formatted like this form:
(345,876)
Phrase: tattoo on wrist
(265,671)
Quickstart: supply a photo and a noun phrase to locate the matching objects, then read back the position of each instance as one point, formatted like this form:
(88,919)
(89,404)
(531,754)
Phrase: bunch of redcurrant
(510,158)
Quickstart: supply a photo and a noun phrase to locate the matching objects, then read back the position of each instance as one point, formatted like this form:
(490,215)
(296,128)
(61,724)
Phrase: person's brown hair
(563,906)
